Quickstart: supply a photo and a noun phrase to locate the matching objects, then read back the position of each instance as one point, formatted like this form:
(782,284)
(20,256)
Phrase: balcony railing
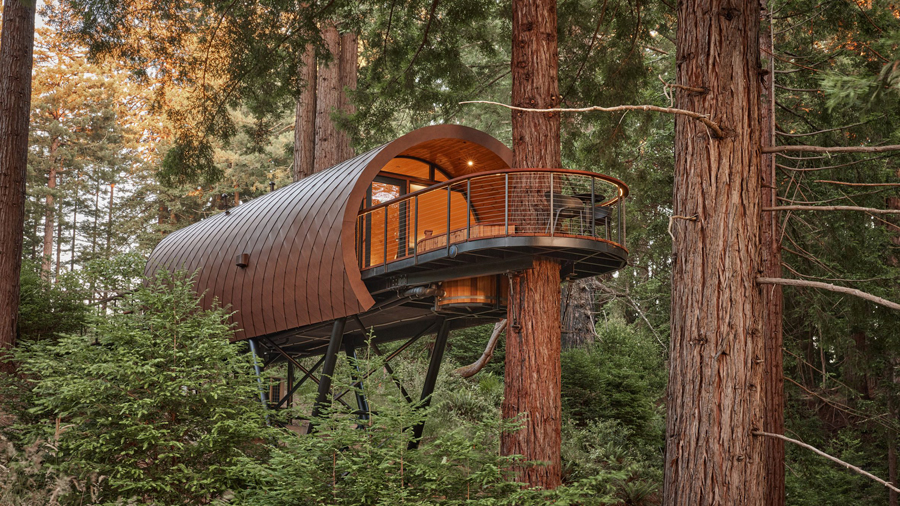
(514,202)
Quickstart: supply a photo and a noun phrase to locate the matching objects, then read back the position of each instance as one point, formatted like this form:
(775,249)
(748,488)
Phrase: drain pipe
(259,381)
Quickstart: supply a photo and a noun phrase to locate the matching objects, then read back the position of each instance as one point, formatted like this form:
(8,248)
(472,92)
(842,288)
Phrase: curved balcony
(496,218)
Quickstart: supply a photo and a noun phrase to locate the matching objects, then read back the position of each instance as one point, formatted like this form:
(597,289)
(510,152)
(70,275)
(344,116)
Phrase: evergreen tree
(152,404)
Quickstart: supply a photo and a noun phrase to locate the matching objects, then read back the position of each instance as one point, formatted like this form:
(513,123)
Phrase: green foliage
(348,461)
(153,402)
(48,310)
(620,377)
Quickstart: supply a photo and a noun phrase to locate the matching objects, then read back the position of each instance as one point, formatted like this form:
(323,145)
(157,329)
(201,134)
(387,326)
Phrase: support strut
(362,405)
(434,366)
(259,381)
(334,345)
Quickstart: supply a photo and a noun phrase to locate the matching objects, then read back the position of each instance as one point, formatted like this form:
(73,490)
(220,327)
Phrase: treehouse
(412,238)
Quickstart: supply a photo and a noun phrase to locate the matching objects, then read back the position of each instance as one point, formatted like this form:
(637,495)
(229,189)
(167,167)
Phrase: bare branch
(855,184)
(785,134)
(803,90)
(814,169)
(833,208)
(836,149)
(703,118)
(472,369)
(831,288)
(829,457)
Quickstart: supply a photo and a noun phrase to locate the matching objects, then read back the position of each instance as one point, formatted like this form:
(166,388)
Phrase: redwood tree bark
(349,68)
(16,57)
(771,295)
(328,99)
(717,360)
(305,121)
(533,337)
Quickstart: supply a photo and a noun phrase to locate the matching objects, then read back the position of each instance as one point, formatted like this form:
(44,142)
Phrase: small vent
(242,260)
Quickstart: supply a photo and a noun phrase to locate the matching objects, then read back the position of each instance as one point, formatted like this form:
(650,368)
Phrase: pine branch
(829,457)
(836,149)
(703,118)
(833,208)
(831,288)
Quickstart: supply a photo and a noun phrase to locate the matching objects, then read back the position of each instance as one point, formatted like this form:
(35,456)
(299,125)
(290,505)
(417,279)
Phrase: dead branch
(842,280)
(833,208)
(831,288)
(829,457)
(703,118)
(472,369)
(802,90)
(835,149)
(855,184)
(673,217)
(785,134)
(115,296)
(814,169)
(639,312)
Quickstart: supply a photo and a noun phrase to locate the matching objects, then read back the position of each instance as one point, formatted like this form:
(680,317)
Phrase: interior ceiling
(454,155)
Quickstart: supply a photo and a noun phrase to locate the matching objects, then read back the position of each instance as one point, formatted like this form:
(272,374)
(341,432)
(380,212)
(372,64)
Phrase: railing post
(384,258)
(468,208)
(621,220)
(416,231)
(552,225)
(593,210)
(448,219)
(506,204)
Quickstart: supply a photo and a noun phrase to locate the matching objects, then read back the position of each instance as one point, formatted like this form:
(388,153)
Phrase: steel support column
(362,405)
(434,366)
(334,345)
(259,381)
(308,375)
(388,369)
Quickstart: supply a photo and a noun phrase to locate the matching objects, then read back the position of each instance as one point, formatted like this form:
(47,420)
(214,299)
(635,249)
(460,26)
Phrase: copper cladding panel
(300,239)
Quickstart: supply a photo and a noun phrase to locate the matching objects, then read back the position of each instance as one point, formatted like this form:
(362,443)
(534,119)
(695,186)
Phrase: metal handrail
(574,214)
(623,188)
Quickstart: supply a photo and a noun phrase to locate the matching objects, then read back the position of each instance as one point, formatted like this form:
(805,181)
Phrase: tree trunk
(16,50)
(305,122)
(108,255)
(49,211)
(74,222)
(717,359)
(59,233)
(771,295)
(328,100)
(892,465)
(533,337)
(349,67)
(578,313)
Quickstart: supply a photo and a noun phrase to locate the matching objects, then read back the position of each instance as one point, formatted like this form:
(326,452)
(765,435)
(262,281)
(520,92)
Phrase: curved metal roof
(302,267)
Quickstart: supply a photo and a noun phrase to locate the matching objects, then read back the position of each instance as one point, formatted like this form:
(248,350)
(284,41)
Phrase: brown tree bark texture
(16,57)
(533,337)
(715,396)
(771,295)
(349,68)
(328,100)
(305,119)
